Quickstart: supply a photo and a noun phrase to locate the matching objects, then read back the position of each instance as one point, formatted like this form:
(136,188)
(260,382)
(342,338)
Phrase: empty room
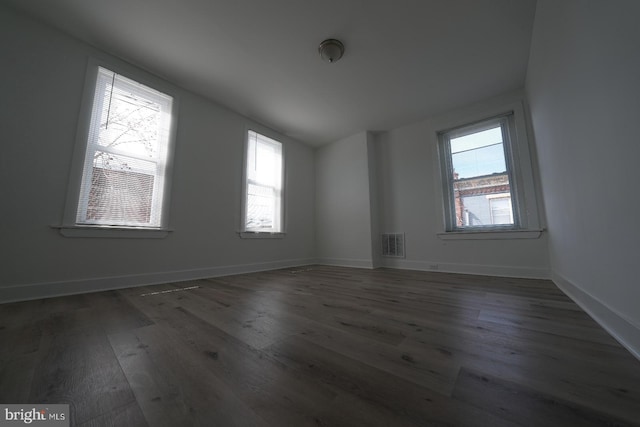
(338,213)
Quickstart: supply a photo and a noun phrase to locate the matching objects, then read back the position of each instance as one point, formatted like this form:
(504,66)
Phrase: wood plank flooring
(320,346)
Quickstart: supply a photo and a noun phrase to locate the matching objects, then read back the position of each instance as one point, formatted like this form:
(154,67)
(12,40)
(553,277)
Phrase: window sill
(260,235)
(97,231)
(490,234)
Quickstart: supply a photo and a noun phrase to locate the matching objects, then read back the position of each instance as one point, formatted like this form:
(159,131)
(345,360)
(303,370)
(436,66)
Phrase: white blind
(263,205)
(125,163)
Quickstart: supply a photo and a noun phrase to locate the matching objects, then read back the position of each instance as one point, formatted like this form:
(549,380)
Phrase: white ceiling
(404,59)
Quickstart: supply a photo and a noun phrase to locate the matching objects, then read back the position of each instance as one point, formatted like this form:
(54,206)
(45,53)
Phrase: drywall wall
(410,200)
(374,200)
(343,202)
(42,80)
(583,83)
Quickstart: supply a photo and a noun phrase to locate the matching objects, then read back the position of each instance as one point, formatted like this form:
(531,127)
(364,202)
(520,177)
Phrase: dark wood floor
(320,346)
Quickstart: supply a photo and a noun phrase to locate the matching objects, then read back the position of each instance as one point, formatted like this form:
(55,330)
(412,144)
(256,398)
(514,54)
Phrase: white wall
(410,200)
(374,199)
(41,80)
(343,202)
(583,86)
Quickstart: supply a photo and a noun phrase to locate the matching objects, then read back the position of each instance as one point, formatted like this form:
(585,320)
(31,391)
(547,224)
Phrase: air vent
(393,245)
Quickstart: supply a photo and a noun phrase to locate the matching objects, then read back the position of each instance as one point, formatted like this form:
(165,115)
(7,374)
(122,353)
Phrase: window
(478,176)
(125,172)
(263,185)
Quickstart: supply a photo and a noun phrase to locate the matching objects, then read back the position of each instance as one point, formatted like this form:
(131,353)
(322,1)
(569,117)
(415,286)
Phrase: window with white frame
(127,152)
(478,176)
(263,197)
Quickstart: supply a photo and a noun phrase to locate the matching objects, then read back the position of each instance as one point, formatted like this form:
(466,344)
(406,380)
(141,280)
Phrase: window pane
(121,190)
(130,123)
(477,154)
(260,207)
(264,162)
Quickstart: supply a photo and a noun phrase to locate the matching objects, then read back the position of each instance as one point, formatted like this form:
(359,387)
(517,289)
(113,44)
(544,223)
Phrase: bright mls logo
(39,415)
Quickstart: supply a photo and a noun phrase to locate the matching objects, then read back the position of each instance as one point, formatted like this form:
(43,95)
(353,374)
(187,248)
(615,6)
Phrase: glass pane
(264,160)
(130,122)
(121,190)
(260,207)
(477,154)
(267,165)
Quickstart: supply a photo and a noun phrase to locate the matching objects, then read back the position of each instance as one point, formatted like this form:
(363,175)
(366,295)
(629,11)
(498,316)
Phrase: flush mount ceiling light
(331,50)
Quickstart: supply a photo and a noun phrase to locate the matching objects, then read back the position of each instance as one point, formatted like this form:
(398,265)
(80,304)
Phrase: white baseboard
(346,262)
(623,329)
(70,287)
(481,270)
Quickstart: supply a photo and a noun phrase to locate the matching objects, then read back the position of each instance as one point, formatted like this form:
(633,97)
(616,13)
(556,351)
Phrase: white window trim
(69,226)
(243,233)
(260,235)
(112,232)
(522,175)
(490,234)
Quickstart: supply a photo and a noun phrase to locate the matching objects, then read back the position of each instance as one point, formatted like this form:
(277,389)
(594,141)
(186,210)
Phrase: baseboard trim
(480,270)
(55,289)
(346,262)
(624,330)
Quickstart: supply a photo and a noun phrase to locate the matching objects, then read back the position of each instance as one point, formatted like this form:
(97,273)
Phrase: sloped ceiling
(404,60)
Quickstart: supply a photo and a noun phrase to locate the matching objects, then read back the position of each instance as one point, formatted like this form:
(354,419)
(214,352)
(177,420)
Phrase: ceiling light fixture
(331,50)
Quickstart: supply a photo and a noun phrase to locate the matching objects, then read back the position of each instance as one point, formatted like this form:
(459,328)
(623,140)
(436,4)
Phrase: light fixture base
(331,50)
